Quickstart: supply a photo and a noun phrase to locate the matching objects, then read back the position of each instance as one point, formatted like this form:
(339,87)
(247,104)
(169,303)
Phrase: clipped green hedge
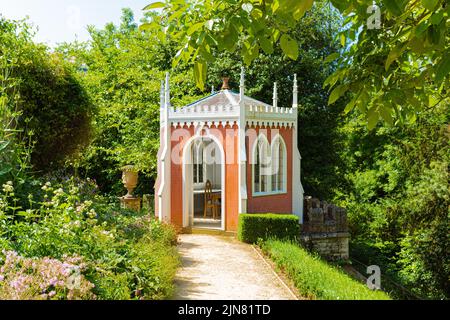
(315,278)
(256,226)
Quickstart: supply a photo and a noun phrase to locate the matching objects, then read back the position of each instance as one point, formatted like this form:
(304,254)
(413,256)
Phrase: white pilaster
(242,158)
(297,188)
(161,103)
(164,190)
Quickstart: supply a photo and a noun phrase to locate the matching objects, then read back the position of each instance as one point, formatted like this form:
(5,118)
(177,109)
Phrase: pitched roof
(225,98)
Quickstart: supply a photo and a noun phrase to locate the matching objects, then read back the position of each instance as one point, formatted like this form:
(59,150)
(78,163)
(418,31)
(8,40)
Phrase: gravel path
(222,268)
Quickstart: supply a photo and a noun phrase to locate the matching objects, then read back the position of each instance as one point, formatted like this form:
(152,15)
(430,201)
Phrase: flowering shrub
(43,278)
(119,254)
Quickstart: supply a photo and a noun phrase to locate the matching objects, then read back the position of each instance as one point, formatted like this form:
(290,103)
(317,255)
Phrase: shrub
(313,277)
(125,254)
(153,266)
(53,106)
(253,227)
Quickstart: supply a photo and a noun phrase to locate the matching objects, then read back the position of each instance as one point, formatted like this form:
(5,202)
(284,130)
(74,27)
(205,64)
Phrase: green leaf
(266,45)
(339,4)
(415,103)
(432,100)
(385,113)
(195,27)
(443,67)
(5,170)
(154,5)
(331,57)
(230,39)
(331,80)
(342,38)
(393,7)
(394,54)
(249,53)
(437,18)
(349,107)
(337,93)
(3,145)
(417,44)
(430,4)
(372,118)
(301,7)
(289,46)
(275,5)
(145,26)
(200,74)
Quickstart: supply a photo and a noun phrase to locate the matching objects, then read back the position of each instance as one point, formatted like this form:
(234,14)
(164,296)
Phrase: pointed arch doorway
(203,178)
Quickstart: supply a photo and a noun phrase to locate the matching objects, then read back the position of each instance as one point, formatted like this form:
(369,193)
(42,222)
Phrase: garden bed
(72,243)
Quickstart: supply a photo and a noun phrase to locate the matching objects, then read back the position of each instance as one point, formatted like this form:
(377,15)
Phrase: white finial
(213,90)
(161,95)
(167,98)
(295,98)
(242,84)
(275,95)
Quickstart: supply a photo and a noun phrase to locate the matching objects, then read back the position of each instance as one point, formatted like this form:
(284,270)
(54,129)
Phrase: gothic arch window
(261,165)
(279,165)
(269,166)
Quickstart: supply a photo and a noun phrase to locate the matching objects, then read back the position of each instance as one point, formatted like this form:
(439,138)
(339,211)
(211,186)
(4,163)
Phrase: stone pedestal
(325,229)
(332,246)
(130,203)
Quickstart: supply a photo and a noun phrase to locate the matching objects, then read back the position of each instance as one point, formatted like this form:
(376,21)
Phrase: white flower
(74,190)
(92,214)
(8,187)
(46,186)
(59,192)
(76,223)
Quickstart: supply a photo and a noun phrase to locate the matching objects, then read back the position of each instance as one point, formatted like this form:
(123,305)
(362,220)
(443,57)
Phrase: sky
(66,20)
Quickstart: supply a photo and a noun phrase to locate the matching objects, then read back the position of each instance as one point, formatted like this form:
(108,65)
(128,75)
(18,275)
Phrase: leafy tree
(397,197)
(50,104)
(393,72)
(396,71)
(123,72)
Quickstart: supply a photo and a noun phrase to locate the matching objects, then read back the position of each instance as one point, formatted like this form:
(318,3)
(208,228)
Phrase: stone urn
(129,179)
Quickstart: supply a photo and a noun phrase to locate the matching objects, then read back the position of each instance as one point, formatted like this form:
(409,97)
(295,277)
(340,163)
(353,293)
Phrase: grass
(313,277)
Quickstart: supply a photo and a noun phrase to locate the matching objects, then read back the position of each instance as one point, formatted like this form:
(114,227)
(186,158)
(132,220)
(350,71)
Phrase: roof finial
(225,85)
(275,94)
(242,84)
(295,93)
(167,98)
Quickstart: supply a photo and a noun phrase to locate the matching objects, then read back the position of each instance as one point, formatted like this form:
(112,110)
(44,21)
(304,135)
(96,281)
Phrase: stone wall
(325,229)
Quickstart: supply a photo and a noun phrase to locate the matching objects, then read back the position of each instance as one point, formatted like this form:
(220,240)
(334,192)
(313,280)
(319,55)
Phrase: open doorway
(206,183)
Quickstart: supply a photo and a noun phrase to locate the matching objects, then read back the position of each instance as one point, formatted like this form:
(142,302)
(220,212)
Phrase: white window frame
(195,157)
(276,142)
(270,147)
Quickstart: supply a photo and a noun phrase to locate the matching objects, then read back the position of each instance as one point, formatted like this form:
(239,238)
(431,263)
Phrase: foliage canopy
(393,71)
